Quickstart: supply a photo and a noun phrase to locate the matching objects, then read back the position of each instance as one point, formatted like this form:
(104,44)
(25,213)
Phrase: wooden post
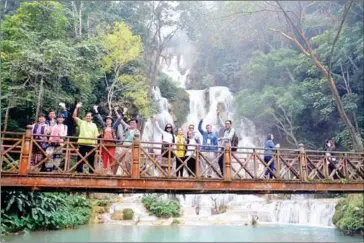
(198,176)
(227,162)
(67,156)
(169,160)
(345,167)
(255,164)
(135,169)
(303,167)
(326,167)
(24,161)
(278,170)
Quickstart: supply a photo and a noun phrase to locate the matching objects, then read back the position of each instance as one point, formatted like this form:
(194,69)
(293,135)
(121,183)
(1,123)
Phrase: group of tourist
(184,150)
(49,132)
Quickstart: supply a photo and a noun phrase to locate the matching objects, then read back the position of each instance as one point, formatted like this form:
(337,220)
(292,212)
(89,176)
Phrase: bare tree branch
(294,40)
(346,10)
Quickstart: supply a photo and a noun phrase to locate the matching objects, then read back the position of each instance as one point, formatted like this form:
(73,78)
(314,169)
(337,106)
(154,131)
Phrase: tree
(121,47)
(307,49)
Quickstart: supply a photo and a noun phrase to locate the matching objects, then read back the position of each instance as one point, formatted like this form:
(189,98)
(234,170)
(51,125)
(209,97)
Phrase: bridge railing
(25,154)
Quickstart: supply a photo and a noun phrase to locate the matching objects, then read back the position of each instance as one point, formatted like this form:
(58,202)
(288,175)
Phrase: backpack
(234,142)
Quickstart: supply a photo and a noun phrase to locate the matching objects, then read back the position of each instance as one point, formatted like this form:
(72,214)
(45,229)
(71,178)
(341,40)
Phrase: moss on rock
(128,214)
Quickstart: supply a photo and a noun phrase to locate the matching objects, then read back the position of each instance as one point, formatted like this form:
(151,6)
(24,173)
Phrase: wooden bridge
(139,169)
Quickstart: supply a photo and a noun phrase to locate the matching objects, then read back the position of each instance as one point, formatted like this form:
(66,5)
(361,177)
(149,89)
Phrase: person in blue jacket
(209,148)
(269,148)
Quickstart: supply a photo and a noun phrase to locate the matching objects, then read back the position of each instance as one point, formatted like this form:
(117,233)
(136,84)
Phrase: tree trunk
(88,26)
(80,19)
(74,10)
(355,137)
(5,6)
(39,100)
(6,119)
(141,126)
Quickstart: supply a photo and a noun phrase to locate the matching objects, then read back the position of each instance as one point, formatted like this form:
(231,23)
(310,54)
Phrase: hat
(61,116)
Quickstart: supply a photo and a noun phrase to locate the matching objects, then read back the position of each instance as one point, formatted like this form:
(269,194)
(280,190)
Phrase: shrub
(28,211)
(128,214)
(161,208)
(102,203)
(148,200)
(176,221)
(349,215)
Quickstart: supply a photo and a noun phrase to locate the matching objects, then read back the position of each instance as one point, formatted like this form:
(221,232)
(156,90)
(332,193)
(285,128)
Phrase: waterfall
(312,212)
(205,104)
(197,209)
(150,133)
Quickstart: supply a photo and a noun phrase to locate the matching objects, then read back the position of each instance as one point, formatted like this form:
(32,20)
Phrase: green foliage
(178,98)
(29,211)
(121,47)
(176,221)
(128,214)
(161,208)
(349,215)
(101,202)
(39,44)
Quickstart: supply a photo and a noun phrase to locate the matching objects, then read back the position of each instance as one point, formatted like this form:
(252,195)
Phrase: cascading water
(200,209)
(164,117)
(240,208)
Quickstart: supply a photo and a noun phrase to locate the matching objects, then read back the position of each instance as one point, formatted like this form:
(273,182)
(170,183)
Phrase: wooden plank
(57,182)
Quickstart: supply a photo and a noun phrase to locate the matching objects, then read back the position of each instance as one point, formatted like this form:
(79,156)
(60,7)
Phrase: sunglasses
(169,127)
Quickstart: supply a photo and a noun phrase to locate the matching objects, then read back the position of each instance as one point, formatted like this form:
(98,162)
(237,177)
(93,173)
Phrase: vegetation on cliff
(349,214)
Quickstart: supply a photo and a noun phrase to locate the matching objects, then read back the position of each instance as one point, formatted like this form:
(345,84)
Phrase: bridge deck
(59,182)
(141,168)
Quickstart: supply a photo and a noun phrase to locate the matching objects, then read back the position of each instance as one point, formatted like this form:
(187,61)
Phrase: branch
(296,28)
(292,39)
(346,10)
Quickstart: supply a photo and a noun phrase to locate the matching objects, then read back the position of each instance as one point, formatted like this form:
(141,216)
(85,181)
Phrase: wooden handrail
(300,164)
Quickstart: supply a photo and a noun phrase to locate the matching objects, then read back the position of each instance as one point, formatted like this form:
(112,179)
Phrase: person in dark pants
(268,155)
(191,143)
(87,138)
(330,146)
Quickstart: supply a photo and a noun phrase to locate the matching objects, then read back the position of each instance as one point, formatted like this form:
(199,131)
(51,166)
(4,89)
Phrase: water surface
(119,233)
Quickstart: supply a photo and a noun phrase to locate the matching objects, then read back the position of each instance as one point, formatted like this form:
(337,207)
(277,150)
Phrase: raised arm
(158,127)
(74,115)
(200,127)
(65,111)
(221,122)
(118,120)
(125,125)
(98,116)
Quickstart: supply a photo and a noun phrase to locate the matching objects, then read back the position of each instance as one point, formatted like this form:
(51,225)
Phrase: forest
(295,68)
